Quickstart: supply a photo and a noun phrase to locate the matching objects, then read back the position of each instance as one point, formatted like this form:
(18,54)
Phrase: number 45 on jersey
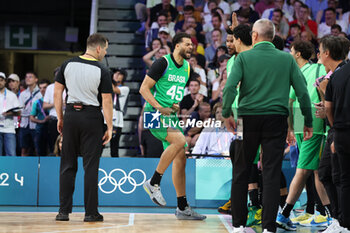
(176,92)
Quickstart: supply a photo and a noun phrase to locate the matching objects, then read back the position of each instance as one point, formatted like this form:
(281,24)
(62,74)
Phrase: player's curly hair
(179,36)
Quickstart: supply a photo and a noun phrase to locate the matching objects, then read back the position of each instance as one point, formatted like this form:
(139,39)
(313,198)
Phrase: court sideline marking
(227,226)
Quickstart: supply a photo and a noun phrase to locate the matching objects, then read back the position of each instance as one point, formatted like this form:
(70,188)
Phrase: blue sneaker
(285,223)
(317,221)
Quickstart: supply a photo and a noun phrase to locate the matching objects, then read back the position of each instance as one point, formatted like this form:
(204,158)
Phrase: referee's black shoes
(62,217)
(93,218)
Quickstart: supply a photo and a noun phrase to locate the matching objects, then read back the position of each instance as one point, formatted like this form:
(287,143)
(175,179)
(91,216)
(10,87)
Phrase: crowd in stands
(28,122)
(209,23)
(221,30)
(25,120)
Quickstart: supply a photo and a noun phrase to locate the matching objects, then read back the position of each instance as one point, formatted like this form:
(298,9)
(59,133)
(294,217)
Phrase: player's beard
(185,55)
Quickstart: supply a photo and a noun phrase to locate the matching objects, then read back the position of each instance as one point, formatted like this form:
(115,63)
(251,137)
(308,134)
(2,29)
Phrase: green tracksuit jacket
(266,75)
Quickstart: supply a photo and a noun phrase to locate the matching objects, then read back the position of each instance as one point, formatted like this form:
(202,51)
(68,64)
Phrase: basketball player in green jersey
(163,88)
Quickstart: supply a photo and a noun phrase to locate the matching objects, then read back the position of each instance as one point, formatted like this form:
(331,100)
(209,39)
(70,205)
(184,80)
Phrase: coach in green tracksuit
(265,74)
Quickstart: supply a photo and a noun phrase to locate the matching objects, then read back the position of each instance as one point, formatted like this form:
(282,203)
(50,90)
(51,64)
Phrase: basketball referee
(89,86)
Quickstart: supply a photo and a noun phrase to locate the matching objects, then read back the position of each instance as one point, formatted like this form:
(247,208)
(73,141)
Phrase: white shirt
(49,96)
(8,100)
(211,76)
(207,21)
(118,119)
(170,26)
(203,89)
(235,6)
(214,141)
(215,86)
(223,5)
(27,108)
(324,29)
(346,19)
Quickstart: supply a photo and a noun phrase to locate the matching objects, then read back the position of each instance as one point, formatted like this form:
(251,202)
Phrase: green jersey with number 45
(170,88)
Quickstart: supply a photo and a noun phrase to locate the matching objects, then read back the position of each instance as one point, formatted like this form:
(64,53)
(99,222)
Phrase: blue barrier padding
(49,182)
(214,178)
(18,180)
(120,182)
(122,179)
(24,182)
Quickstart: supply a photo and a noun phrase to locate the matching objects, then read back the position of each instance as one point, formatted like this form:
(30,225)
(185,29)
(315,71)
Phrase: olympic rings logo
(122,181)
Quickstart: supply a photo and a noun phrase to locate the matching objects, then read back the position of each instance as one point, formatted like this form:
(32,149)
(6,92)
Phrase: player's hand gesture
(176,107)
(166,111)
(234,22)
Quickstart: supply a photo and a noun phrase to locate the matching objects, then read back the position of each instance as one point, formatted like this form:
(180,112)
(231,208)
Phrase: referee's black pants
(329,173)
(342,147)
(270,131)
(82,135)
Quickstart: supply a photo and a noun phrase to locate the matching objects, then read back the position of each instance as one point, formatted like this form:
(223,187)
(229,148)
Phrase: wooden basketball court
(113,222)
(144,220)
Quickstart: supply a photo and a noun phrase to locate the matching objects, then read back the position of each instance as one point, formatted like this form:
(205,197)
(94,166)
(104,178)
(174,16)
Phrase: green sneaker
(254,216)
(301,218)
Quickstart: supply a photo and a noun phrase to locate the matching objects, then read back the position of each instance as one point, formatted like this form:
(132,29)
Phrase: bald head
(265,30)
